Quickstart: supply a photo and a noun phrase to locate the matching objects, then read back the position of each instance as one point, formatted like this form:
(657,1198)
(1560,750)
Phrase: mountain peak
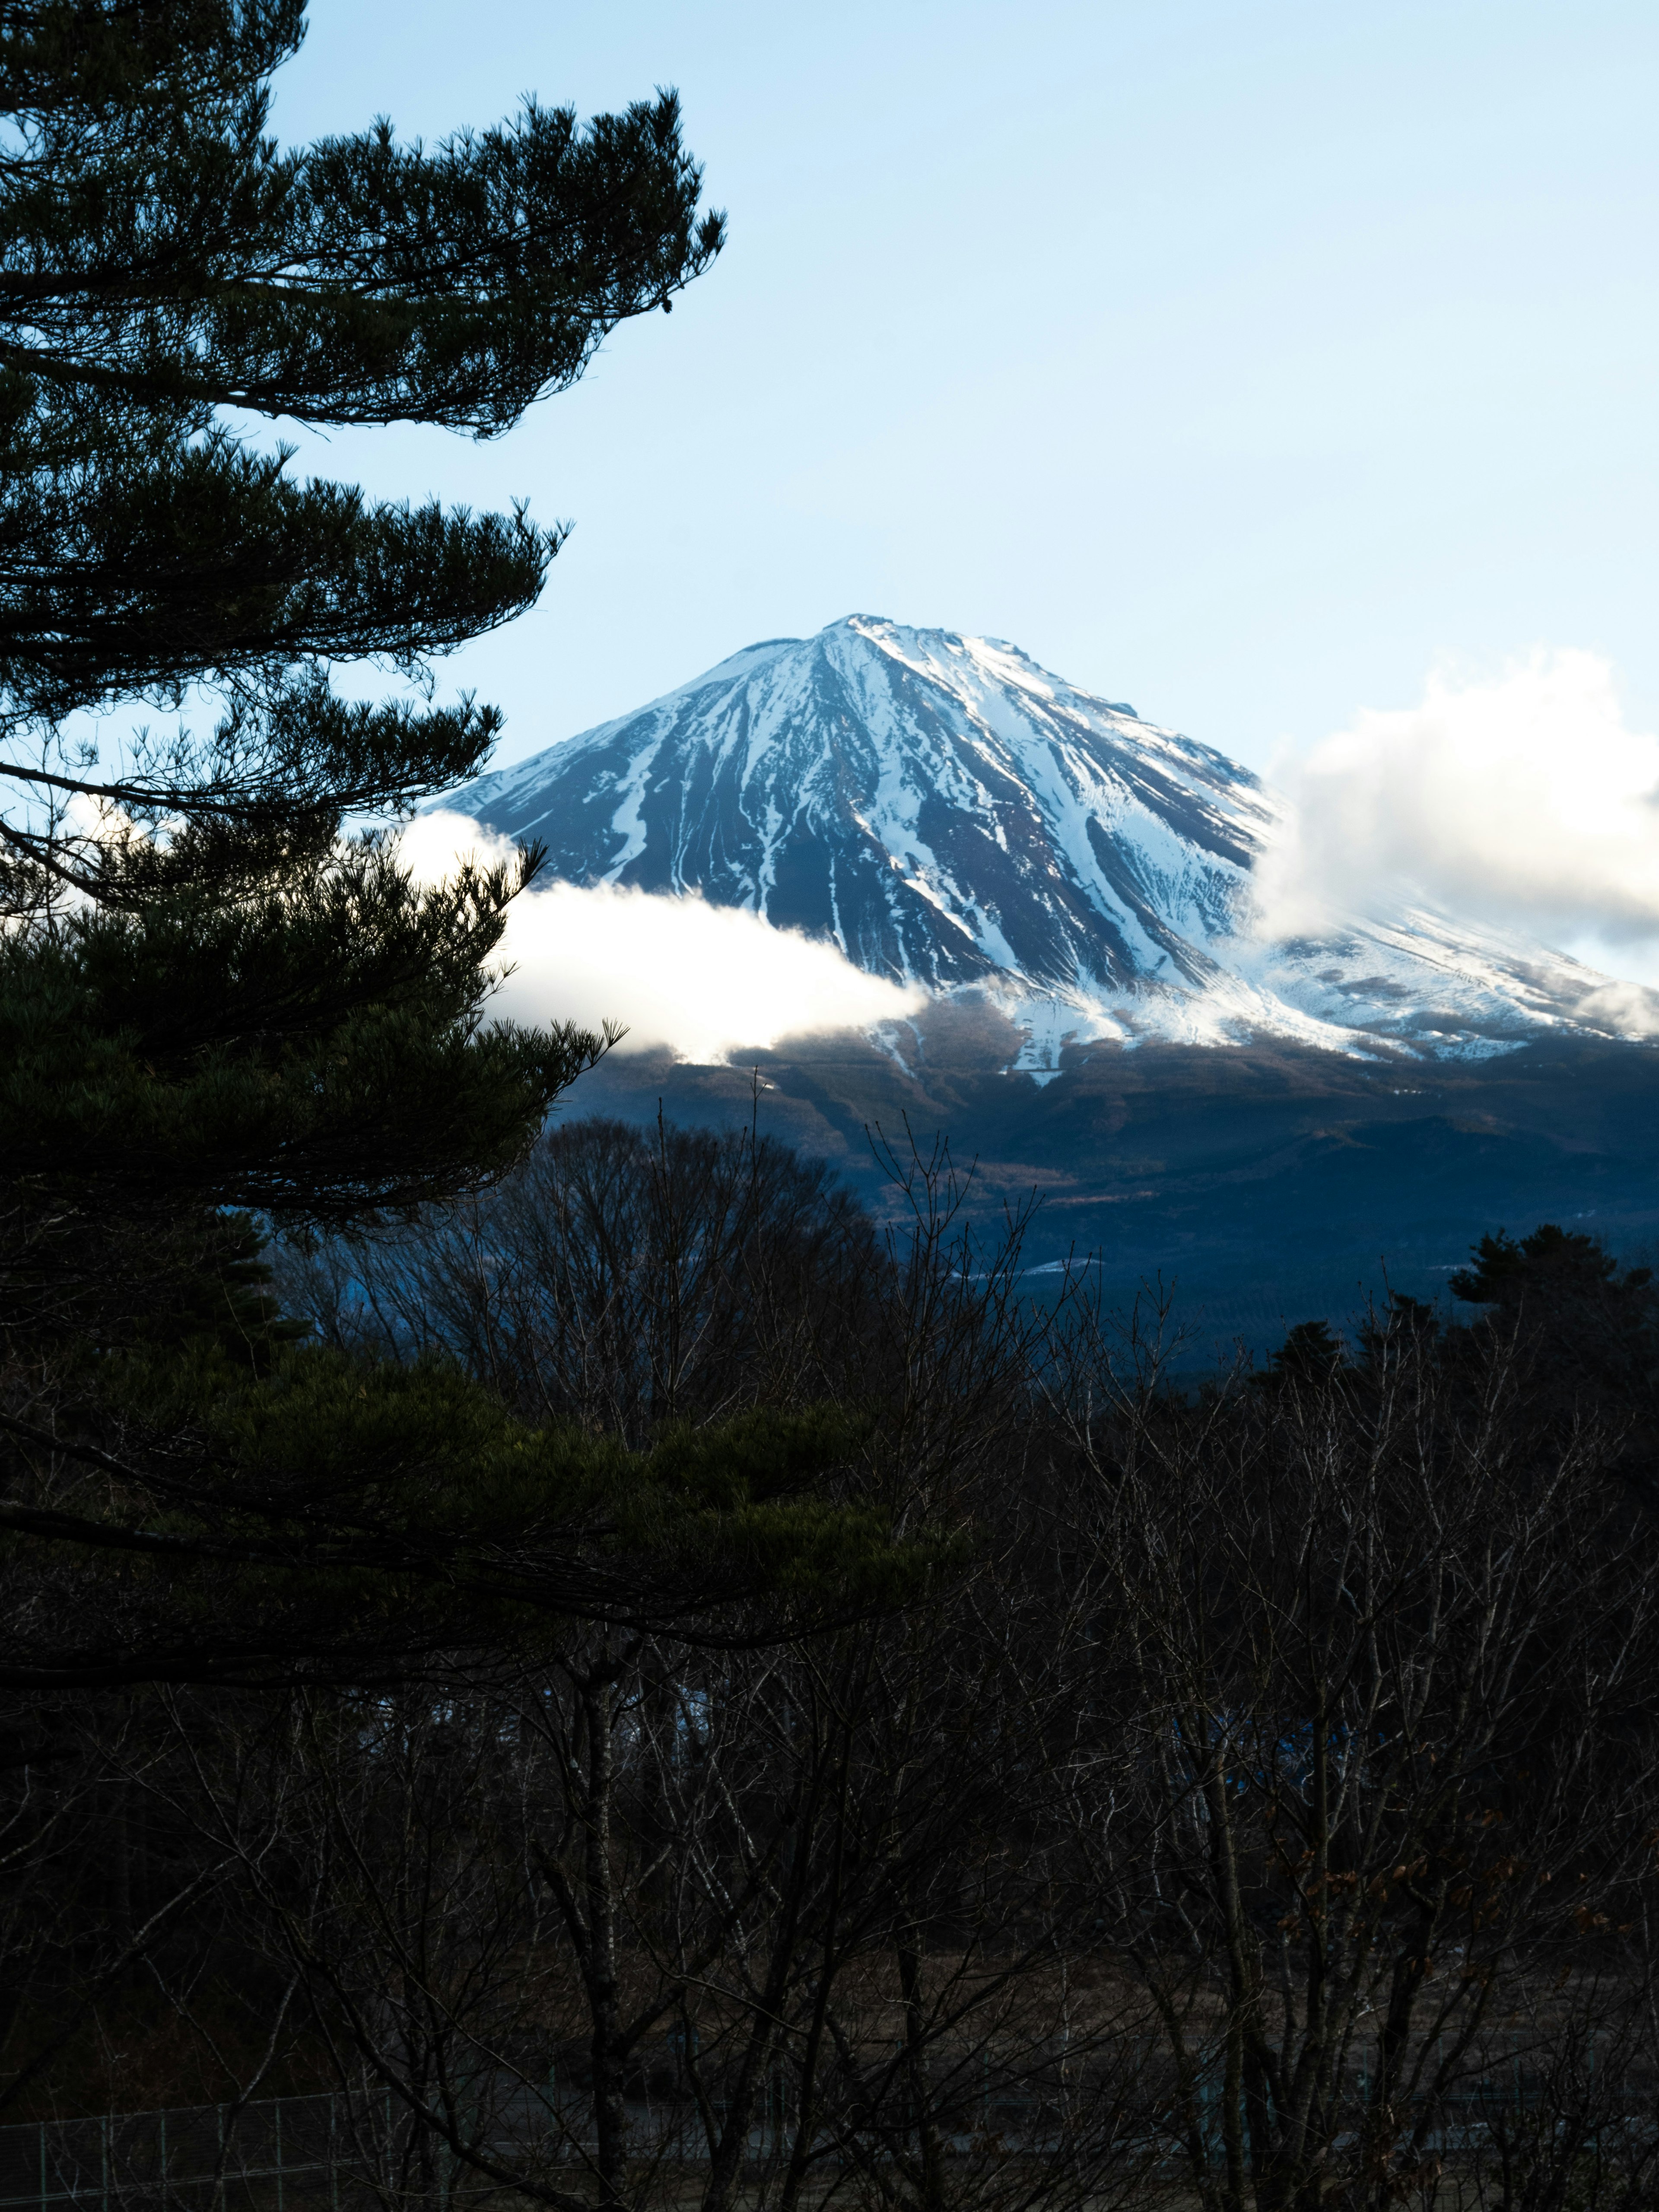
(950,813)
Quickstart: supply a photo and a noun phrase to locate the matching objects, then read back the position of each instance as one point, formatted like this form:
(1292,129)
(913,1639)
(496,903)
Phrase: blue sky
(1240,361)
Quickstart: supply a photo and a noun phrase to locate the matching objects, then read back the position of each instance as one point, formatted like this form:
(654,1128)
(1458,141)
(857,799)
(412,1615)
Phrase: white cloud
(707,980)
(1524,800)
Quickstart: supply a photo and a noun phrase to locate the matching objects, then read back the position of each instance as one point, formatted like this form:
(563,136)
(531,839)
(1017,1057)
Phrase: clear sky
(1240,361)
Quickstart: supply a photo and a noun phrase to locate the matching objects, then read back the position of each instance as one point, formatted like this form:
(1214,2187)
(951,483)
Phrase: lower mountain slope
(1265,1185)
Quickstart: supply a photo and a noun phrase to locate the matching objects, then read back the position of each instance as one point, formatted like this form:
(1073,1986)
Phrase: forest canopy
(1236,1781)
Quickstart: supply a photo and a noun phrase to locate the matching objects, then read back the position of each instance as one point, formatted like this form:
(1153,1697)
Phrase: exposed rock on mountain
(950,813)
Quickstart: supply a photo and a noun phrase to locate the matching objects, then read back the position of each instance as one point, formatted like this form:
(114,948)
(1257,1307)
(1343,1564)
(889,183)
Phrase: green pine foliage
(1311,1354)
(217,1000)
(313,1049)
(219,1006)
(1551,1267)
(162,259)
(215,1518)
(208,994)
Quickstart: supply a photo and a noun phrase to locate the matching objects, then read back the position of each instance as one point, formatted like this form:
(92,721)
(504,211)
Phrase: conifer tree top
(163,258)
(209,991)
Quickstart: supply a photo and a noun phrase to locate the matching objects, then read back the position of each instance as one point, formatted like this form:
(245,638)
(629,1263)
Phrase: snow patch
(949,813)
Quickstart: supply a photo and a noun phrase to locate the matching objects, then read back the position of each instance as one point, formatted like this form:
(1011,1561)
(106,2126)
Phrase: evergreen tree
(212,996)
(1551,1268)
(1585,1332)
(1311,1353)
(1560,1293)
(205,996)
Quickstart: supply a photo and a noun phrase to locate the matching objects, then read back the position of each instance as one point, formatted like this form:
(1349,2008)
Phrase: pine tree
(1311,1353)
(1551,1267)
(1586,1332)
(213,994)
(207,996)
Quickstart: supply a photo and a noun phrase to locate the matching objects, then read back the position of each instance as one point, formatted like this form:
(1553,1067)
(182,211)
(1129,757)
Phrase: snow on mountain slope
(951,814)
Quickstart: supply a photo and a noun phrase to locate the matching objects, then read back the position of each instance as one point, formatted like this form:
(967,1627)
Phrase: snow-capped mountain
(951,814)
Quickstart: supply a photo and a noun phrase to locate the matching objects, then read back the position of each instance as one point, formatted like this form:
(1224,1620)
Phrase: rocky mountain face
(951,814)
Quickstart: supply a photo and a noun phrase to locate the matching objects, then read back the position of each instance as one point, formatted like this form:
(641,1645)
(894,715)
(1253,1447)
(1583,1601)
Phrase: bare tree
(787,1908)
(621,1279)
(1251,1790)
(1365,1781)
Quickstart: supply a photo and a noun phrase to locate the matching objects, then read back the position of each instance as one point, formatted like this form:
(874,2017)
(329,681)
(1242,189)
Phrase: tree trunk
(603,1996)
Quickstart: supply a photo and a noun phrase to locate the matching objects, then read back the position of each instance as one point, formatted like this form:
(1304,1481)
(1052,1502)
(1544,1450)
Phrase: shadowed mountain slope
(949,813)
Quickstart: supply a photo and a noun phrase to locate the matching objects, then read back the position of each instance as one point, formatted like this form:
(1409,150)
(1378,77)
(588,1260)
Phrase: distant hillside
(1267,1182)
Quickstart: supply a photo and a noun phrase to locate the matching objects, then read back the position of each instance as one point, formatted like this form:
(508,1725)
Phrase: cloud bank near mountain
(976,824)
(705,981)
(1524,799)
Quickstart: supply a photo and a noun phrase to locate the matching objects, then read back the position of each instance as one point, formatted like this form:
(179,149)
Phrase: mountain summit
(951,814)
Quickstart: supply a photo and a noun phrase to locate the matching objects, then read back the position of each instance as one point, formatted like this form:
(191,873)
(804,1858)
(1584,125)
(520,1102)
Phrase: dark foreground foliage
(217,998)
(1245,1795)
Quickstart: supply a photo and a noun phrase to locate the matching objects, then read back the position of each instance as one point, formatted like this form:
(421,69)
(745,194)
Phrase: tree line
(1239,1787)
